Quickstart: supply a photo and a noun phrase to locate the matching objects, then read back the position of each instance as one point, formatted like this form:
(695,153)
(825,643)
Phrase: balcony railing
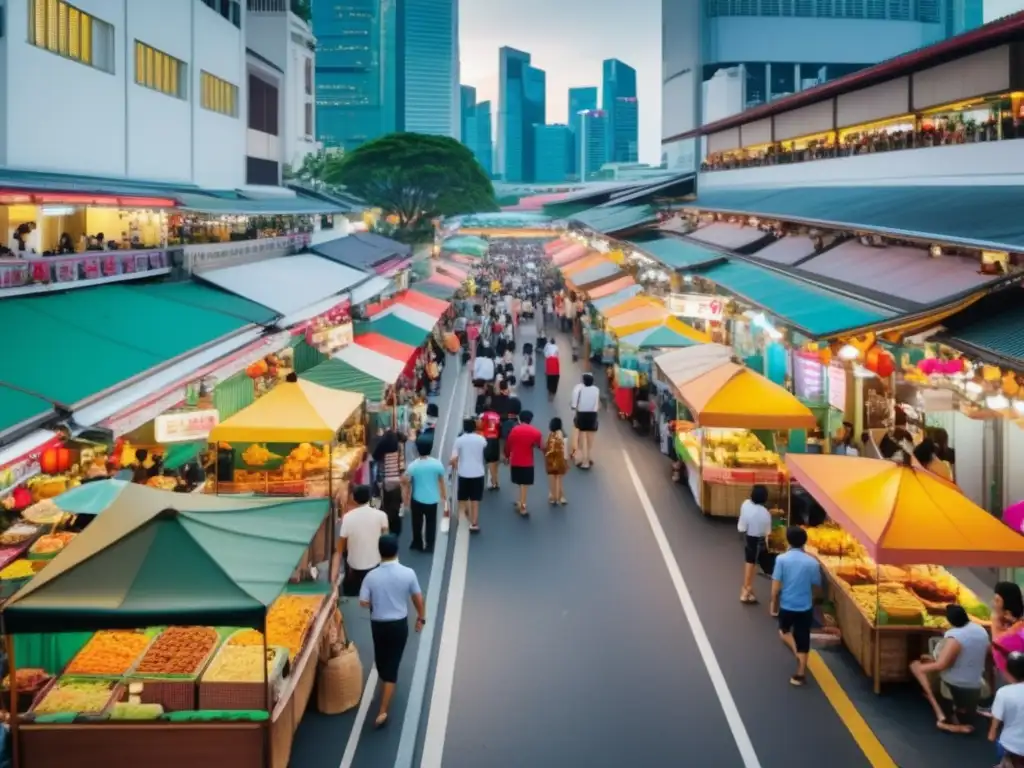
(218,255)
(37,274)
(863,144)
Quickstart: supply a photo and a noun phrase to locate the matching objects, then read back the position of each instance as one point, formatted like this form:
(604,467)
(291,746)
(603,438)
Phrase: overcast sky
(570,38)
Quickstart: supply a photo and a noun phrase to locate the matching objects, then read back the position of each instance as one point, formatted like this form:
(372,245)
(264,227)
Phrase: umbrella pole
(268,739)
(12,670)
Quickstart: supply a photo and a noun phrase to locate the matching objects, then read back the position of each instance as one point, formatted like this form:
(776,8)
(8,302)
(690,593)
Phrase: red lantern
(871,359)
(885,365)
(48,461)
(63,459)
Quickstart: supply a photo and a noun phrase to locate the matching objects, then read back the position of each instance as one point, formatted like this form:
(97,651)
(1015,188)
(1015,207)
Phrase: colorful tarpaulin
(451,269)
(721,393)
(630,305)
(643,317)
(387,369)
(337,374)
(436,290)
(905,515)
(599,273)
(424,303)
(291,412)
(615,299)
(552,247)
(388,346)
(157,557)
(585,263)
(569,254)
(408,314)
(469,245)
(614,286)
(672,333)
(440,279)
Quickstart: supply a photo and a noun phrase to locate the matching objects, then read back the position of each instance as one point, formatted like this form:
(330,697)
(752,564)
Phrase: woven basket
(340,681)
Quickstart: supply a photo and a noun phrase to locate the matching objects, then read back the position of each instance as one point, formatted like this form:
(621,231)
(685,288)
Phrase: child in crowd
(555,462)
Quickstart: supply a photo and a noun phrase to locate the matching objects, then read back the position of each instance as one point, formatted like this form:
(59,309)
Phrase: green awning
(17,407)
(659,337)
(155,557)
(983,215)
(338,374)
(267,206)
(178,455)
(437,290)
(616,218)
(814,311)
(505,220)
(210,298)
(470,245)
(69,347)
(395,328)
(992,328)
(675,253)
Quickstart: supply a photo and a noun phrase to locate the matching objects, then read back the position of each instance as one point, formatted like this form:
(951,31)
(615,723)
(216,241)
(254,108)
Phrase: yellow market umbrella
(905,515)
(292,412)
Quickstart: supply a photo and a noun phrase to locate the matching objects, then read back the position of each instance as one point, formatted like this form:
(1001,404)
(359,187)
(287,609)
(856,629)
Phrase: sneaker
(445,524)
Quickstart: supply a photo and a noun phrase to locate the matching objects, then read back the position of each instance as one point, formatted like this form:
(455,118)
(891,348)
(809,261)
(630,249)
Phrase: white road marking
(448,649)
(418,688)
(700,636)
(433,591)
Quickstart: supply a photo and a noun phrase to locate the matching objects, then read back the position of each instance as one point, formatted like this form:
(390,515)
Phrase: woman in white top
(586,401)
(755,523)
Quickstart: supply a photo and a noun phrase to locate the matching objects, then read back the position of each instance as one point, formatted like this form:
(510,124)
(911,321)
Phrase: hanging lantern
(885,365)
(954,366)
(1011,387)
(48,461)
(63,459)
(991,373)
(871,358)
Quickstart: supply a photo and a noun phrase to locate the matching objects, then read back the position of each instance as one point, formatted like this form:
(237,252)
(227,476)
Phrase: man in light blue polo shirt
(387,591)
(794,580)
(423,484)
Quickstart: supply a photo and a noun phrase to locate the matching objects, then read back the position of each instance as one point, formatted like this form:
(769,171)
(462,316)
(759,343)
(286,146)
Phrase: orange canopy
(607,289)
(569,254)
(905,515)
(423,303)
(553,246)
(396,350)
(651,311)
(629,305)
(721,393)
(585,263)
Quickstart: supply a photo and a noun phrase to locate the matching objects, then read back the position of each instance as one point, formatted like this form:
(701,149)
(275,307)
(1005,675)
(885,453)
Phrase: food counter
(723,466)
(886,614)
(180,694)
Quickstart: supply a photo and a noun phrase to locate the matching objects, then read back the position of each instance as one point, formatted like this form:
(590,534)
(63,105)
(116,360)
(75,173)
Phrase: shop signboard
(27,465)
(808,377)
(185,426)
(695,305)
(837,386)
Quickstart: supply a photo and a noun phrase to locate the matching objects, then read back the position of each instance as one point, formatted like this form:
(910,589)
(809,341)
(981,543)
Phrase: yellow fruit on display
(287,621)
(19,569)
(240,664)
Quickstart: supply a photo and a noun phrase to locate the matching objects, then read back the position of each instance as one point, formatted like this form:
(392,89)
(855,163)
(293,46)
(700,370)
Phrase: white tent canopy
(413,316)
(684,365)
(371,289)
(379,366)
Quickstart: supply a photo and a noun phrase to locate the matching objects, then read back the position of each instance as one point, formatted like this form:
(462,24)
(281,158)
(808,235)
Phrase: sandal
(563,501)
(797,680)
(380,722)
(474,528)
(748,599)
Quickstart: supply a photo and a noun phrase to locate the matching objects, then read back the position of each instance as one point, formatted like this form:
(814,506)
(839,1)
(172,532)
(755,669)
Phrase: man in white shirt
(361,529)
(550,349)
(470,467)
(483,371)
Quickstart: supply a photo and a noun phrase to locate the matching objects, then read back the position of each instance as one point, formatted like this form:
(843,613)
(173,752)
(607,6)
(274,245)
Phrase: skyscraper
(619,82)
(963,16)
(593,146)
(580,100)
(553,150)
(476,127)
(356,79)
(521,105)
(428,46)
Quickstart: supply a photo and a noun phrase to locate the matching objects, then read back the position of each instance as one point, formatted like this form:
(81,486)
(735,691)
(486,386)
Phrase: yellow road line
(869,744)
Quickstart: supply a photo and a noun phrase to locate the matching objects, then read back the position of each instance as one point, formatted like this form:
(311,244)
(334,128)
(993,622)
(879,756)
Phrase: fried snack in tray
(18,533)
(51,543)
(241,664)
(287,621)
(178,651)
(109,652)
(854,573)
(75,695)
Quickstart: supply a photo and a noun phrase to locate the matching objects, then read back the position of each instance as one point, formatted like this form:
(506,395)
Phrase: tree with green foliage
(415,177)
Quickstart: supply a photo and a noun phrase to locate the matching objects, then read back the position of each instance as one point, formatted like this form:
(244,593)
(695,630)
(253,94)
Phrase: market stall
(569,255)
(894,529)
(741,421)
(609,288)
(160,638)
(300,439)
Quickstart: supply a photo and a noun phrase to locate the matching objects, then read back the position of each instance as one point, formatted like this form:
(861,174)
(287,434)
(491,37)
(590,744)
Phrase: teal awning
(676,253)
(659,337)
(992,328)
(614,299)
(18,407)
(270,206)
(616,218)
(507,220)
(595,274)
(338,374)
(470,245)
(436,290)
(35,181)
(395,328)
(981,215)
(814,311)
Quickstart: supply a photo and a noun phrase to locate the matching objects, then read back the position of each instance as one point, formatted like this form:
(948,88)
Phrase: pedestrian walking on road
(387,592)
(519,447)
(795,578)
(490,428)
(586,401)
(555,462)
(1007,728)
(470,467)
(423,484)
(755,524)
(361,529)
(552,367)
(389,454)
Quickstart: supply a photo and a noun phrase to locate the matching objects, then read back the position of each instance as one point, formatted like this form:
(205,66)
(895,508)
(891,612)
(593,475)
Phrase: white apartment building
(154,90)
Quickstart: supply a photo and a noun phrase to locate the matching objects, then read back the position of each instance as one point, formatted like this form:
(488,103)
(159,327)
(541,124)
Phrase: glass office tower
(580,100)
(522,103)
(429,48)
(553,149)
(619,82)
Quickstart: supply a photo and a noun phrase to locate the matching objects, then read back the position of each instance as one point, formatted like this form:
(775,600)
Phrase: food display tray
(175,693)
(218,695)
(117,693)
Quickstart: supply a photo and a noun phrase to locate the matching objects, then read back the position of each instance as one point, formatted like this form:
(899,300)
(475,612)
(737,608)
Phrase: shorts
(470,489)
(522,475)
(798,624)
(586,421)
(753,546)
(964,700)
(480,383)
(492,452)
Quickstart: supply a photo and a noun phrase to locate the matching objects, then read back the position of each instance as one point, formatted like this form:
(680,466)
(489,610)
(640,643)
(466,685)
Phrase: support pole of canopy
(13,673)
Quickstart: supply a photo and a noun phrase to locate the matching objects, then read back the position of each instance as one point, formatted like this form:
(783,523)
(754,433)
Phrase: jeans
(391,504)
(424,516)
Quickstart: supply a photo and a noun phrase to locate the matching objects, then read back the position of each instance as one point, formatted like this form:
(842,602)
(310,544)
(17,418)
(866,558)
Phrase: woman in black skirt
(387,591)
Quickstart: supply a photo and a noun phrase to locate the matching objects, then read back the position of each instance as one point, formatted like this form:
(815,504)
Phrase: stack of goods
(163,482)
(83,696)
(18,570)
(50,544)
(178,651)
(830,541)
(737,449)
(235,678)
(288,621)
(45,512)
(109,653)
(30,683)
(18,535)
